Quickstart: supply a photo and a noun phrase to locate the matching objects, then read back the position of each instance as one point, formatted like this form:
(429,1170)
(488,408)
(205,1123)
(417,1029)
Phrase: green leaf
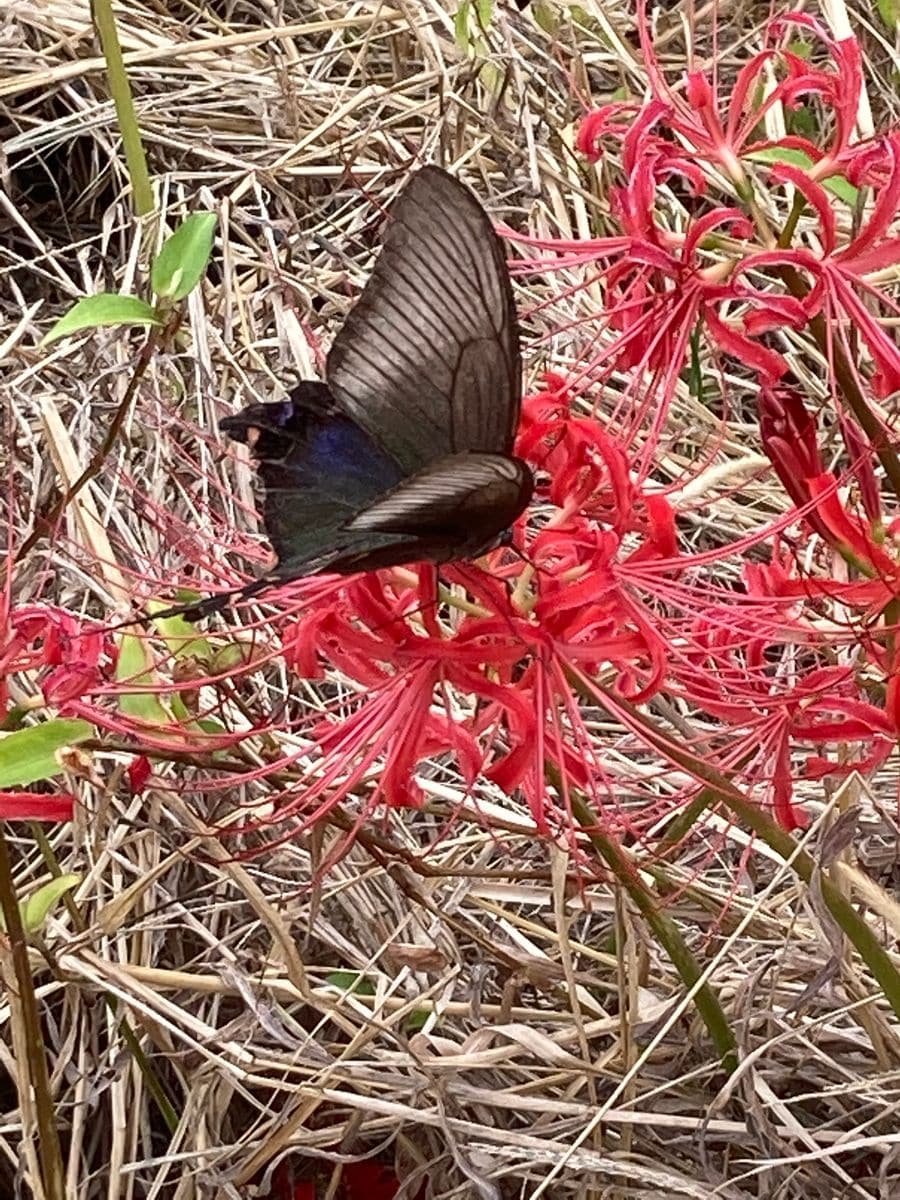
(802,121)
(417,1020)
(36,908)
(461,27)
(180,710)
(133,665)
(232,656)
(180,636)
(182,261)
(838,185)
(889,11)
(106,308)
(350,981)
(34,753)
(212,726)
(484,10)
(182,713)
(801,49)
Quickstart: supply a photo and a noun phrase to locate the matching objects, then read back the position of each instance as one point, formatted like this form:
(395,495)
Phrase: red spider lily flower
(721,274)
(692,115)
(364,1180)
(835,704)
(499,679)
(773,712)
(501,664)
(789,438)
(71,664)
(369,1180)
(286,1187)
(35,806)
(66,652)
(841,290)
(849,534)
(662,289)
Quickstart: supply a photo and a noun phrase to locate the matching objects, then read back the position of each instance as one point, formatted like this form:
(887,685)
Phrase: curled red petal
(35,806)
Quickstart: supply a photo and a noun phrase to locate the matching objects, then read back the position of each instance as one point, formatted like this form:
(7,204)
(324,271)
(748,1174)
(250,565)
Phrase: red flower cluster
(523,669)
(487,678)
(728,271)
(63,654)
(54,651)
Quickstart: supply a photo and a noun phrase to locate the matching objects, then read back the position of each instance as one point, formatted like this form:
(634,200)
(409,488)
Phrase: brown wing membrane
(428,360)
(457,506)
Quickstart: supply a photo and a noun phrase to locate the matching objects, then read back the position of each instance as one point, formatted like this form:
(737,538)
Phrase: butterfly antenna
(215,604)
(200,608)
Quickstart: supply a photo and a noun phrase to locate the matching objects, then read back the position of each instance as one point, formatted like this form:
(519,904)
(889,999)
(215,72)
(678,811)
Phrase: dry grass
(511,1040)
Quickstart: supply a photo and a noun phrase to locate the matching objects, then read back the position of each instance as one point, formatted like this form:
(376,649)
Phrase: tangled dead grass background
(512,1035)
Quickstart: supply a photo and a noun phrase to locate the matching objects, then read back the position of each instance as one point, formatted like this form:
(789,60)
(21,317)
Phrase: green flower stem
(155,338)
(120,89)
(847,382)
(50,1152)
(664,930)
(719,789)
(790,228)
(154,1084)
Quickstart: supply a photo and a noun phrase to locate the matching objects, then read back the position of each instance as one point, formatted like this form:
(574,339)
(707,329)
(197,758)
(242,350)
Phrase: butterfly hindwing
(428,360)
(458,505)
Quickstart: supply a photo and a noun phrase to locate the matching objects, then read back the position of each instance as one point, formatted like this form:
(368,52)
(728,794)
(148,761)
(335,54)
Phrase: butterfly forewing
(428,361)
